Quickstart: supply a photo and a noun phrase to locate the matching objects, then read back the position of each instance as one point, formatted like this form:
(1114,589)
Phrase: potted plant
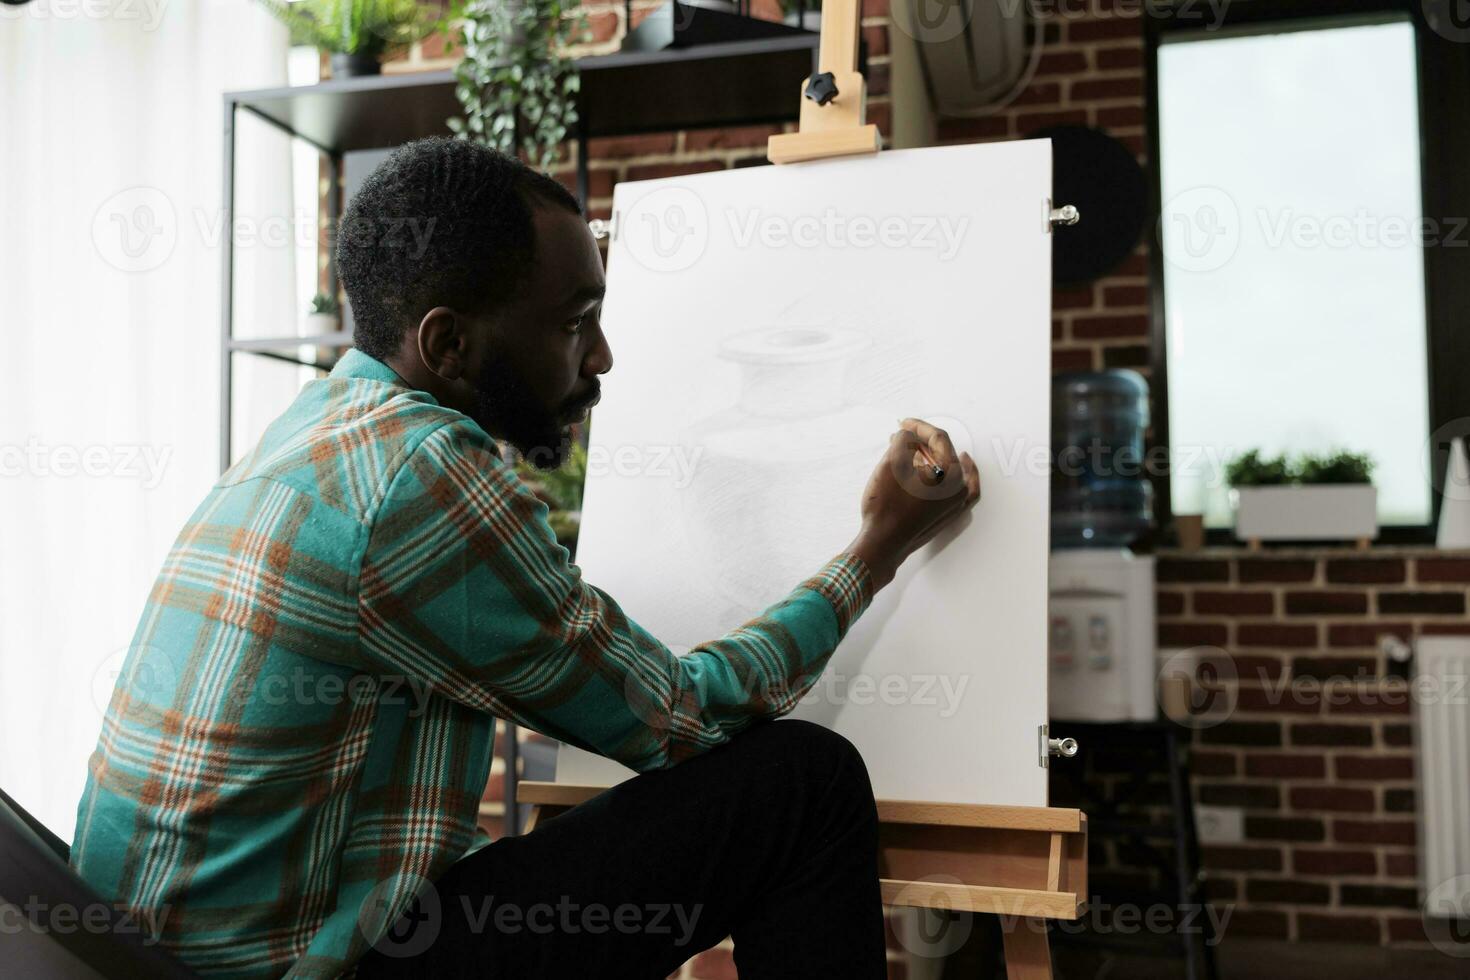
(515,81)
(561,491)
(806,15)
(323,317)
(1312,498)
(359,34)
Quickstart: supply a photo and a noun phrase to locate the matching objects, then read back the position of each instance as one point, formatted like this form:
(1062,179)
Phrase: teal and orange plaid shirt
(302,729)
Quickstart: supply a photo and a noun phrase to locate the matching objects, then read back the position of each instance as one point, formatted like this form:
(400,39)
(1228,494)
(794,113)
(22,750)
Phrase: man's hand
(903,506)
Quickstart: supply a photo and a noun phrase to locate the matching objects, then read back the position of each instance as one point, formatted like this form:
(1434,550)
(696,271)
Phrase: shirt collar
(356,364)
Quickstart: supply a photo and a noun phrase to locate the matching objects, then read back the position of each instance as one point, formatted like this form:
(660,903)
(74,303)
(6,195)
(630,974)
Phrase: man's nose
(600,359)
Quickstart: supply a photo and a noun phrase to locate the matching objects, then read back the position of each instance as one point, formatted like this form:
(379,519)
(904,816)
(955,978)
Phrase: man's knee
(826,752)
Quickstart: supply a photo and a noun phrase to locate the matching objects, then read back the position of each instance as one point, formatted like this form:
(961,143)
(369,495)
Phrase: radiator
(1442,706)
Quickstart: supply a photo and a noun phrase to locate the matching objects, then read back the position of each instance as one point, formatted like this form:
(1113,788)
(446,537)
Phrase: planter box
(1324,512)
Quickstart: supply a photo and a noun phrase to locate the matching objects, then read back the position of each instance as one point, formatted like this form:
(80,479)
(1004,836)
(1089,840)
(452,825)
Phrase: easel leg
(1028,957)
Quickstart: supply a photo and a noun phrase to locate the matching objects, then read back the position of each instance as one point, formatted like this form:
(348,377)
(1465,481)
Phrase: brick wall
(1327,788)
(1318,750)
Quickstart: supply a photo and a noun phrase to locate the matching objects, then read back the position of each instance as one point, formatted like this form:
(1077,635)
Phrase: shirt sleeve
(463,587)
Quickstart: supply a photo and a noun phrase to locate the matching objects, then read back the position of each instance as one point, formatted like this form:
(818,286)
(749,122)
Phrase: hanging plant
(515,83)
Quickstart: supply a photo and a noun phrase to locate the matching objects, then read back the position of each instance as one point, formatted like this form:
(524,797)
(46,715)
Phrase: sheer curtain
(110,233)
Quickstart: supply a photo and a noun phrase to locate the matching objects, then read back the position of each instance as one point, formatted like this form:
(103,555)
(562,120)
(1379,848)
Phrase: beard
(507,407)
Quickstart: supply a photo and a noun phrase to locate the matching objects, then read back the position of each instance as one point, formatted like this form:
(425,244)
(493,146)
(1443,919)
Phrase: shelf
(704,85)
(325,349)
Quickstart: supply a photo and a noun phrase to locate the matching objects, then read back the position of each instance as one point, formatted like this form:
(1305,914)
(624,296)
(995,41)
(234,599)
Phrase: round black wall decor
(1098,174)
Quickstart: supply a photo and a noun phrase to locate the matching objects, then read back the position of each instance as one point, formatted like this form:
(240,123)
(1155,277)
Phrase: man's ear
(443,341)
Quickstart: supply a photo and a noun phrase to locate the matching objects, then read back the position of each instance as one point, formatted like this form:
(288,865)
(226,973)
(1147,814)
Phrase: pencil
(923,451)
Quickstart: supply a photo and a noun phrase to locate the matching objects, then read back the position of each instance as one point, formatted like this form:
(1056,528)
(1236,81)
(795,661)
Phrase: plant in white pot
(323,317)
(1327,497)
(358,34)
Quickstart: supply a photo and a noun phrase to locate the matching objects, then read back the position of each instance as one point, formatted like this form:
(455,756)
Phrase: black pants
(771,839)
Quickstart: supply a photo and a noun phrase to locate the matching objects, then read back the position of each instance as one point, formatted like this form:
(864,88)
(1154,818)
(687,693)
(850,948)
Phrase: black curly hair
(441,222)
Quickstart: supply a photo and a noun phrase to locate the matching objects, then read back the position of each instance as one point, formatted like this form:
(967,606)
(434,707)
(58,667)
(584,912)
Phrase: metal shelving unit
(688,66)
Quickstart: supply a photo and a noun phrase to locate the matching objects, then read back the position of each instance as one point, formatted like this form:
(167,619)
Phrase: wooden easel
(1026,864)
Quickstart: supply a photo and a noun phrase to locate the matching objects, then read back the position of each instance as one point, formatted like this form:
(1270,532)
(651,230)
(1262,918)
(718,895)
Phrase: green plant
(560,490)
(324,303)
(515,82)
(373,28)
(1253,470)
(1338,467)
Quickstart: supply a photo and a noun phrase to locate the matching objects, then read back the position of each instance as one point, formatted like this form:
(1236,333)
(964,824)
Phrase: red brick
(655,171)
(1375,767)
(631,146)
(1287,892)
(599,181)
(1211,763)
(1404,864)
(1276,570)
(1445,629)
(1106,88)
(1136,356)
(1311,927)
(1442,570)
(1391,697)
(1275,635)
(1278,700)
(1406,930)
(1073,298)
(1072,359)
(1169,603)
(1399,799)
(1424,603)
(1192,634)
(1326,603)
(1104,28)
(1377,896)
(1129,56)
(1256,669)
(1061,63)
(1316,734)
(1263,923)
(1284,828)
(1100,326)
(965,130)
(1285,766)
(1398,736)
(877,39)
(721,139)
(1114,296)
(1254,733)
(1041,93)
(878,79)
(1231,858)
(1335,862)
(1335,668)
(1247,795)
(1332,798)
(1119,117)
(1179,570)
(603,26)
(1029,122)
(1235,603)
(1366,570)
(1365,634)
(1374,832)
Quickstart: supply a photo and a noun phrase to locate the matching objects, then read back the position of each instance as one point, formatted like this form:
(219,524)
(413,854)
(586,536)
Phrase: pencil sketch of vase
(776,490)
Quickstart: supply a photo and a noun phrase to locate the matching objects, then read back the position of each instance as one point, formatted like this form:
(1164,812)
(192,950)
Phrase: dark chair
(65,933)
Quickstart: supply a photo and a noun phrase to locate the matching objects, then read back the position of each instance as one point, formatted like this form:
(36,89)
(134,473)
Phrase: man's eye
(575,326)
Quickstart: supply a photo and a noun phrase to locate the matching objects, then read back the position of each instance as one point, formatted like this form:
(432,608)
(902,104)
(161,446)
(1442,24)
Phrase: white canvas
(769,328)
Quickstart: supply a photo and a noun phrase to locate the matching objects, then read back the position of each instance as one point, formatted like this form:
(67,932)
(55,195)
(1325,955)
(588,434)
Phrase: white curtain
(110,200)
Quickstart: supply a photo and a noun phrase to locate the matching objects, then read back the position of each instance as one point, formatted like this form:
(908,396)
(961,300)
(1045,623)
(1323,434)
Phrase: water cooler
(1102,624)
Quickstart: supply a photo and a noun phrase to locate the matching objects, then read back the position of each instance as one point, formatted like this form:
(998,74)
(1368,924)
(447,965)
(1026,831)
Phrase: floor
(1257,959)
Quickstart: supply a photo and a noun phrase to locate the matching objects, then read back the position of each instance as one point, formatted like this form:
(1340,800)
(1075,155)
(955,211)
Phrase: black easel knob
(821,88)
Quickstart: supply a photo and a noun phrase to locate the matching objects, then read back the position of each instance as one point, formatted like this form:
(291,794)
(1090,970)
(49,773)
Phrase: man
(302,732)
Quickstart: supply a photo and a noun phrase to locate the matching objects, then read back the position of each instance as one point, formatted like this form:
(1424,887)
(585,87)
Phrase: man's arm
(464,587)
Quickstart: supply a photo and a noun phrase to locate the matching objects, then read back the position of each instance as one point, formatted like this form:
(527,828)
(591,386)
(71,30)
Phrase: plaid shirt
(302,730)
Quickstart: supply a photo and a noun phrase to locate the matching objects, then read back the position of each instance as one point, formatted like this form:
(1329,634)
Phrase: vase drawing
(776,487)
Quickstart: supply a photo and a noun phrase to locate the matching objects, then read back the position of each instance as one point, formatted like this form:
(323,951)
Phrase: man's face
(544,350)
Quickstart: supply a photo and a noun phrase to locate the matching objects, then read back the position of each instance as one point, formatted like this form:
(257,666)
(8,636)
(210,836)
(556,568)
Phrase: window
(1293,265)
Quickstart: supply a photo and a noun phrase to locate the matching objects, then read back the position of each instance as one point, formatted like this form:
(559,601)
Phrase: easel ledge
(1023,863)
